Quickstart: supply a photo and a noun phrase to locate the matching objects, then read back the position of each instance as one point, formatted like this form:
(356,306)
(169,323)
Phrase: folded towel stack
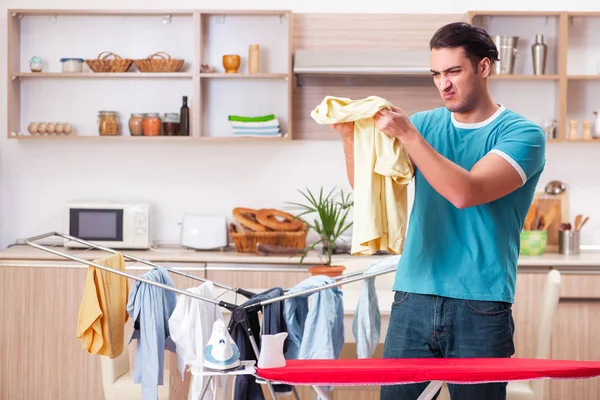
(266,125)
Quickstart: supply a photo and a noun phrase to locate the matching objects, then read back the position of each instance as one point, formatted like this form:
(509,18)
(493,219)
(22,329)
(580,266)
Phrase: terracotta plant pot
(328,270)
(231,63)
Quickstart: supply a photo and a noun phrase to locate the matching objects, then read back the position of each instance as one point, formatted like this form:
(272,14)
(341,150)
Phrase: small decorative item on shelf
(71,64)
(253,58)
(108,123)
(205,69)
(596,133)
(151,124)
(103,64)
(507,51)
(35,64)
(231,63)
(159,62)
(51,128)
(573,134)
(539,52)
(550,129)
(184,118)
(587,130)
(135,124)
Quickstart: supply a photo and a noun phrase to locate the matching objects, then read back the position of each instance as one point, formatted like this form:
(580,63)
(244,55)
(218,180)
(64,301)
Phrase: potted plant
(332,212)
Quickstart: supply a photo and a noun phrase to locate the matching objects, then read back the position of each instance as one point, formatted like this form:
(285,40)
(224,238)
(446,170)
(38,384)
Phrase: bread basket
(104,64)
(245,242)
(158,62)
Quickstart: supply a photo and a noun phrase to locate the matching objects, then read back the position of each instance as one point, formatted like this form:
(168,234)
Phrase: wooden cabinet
(198,38)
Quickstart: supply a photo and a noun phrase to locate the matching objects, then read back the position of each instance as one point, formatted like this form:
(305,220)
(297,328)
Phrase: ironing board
(377,371)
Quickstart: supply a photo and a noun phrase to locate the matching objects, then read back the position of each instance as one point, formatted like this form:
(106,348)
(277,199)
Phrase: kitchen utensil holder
(569,242)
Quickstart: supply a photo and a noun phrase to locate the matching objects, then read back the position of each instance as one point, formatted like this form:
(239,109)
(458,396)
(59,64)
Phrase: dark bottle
(184,119)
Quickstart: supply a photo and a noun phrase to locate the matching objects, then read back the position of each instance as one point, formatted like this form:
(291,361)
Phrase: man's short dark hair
(475,41)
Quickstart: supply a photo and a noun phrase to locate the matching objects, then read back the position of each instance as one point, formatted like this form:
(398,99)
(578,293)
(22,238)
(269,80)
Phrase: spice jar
(151,124)
(135,124)
(171,124)
(108,123)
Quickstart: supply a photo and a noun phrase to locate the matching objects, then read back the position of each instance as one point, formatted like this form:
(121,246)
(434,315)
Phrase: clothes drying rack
(239,313)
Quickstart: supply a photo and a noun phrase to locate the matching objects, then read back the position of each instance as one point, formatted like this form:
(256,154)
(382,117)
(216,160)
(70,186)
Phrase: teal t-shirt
(470,253)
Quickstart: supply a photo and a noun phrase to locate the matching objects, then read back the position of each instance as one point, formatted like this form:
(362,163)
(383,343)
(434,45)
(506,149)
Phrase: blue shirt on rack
(470,253)
(150,308)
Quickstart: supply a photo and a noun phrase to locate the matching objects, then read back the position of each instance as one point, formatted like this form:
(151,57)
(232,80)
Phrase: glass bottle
(135,124)
(184,119)
(108,123)
(171,124)
(151,124)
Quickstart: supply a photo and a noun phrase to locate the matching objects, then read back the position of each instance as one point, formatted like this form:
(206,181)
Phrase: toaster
(204,232)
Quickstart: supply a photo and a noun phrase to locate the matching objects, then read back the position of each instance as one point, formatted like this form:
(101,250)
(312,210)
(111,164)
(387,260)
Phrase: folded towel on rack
(261,118)
(259,124)
(366,326)
(102,313)
(190,327)
(150,307)
(382,172)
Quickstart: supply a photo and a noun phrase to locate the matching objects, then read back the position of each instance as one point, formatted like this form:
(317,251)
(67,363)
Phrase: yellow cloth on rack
(382,172)
(103,310)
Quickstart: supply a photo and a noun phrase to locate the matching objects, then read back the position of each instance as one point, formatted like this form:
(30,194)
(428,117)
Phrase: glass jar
(135,124)
(151,124)
(171,124)
(108,123)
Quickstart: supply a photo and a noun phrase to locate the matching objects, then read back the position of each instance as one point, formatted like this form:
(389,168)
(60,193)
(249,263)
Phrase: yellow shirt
(103,310)
(382,172)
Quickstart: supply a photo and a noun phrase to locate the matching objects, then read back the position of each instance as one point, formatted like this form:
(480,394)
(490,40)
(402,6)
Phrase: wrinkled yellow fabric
(382,172)
(103,309)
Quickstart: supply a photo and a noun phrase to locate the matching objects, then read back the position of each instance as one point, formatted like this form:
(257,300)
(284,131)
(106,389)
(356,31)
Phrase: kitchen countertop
(229,256)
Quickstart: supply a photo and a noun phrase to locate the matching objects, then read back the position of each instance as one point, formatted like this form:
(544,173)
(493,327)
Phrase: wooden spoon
(549,218)
(577,222)
(583,223)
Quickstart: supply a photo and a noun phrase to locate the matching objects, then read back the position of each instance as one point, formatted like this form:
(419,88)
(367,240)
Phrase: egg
(41,127)
(67,128)
(50,127)
(58,128)
(33,127)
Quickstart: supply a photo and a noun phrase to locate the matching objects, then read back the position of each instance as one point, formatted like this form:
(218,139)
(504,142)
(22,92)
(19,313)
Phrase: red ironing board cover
(377,371)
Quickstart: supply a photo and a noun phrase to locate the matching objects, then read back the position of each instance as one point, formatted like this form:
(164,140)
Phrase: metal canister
(507,53)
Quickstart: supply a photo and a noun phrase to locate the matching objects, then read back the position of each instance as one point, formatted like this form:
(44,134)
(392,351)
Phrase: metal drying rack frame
(239,313)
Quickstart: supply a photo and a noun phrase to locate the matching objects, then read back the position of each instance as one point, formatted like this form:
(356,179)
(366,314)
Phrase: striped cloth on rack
(261,126)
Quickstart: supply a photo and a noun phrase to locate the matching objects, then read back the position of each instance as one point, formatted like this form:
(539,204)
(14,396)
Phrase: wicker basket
(158,63)
(245,242)
(103,64)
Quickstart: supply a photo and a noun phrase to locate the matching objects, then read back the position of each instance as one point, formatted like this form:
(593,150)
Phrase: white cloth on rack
(190,326)
(367,318)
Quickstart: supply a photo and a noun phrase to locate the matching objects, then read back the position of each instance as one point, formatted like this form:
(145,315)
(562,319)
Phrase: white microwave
(112,224)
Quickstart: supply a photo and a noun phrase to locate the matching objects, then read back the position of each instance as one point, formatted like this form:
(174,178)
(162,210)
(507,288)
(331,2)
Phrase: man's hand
(395,123)
(345,129)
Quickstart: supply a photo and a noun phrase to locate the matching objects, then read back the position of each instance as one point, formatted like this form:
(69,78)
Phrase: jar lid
(69,59)
(108,112)
(172,115)
(151,115)
(137,114)
(35,59)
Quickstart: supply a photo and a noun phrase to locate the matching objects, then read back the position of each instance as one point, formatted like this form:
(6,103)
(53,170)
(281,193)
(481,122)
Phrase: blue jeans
(432,326)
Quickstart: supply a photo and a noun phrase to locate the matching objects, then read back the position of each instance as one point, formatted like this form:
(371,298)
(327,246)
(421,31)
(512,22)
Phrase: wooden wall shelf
(199,37)
(571,88)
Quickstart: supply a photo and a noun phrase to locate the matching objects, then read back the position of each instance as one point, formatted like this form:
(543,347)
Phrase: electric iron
(221,353)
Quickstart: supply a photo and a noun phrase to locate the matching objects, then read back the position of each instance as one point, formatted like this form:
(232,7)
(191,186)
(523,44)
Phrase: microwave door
(97,225)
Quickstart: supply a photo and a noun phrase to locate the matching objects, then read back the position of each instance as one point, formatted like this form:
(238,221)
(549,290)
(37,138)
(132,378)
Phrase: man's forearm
(449,179)
(348,143)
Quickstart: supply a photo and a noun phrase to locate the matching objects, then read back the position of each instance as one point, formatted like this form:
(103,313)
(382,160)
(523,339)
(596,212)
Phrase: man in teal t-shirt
(477,166)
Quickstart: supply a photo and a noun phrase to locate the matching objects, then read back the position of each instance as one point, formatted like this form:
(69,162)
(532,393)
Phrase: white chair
(534,390)
(117,379)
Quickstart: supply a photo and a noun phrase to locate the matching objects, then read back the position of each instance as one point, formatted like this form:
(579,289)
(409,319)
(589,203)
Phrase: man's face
(456,78)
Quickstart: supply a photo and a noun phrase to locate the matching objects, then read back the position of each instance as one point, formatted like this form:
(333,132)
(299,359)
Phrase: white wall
(38,177)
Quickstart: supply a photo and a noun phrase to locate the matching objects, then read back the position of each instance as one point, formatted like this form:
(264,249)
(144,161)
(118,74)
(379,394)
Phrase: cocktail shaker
(539,52)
